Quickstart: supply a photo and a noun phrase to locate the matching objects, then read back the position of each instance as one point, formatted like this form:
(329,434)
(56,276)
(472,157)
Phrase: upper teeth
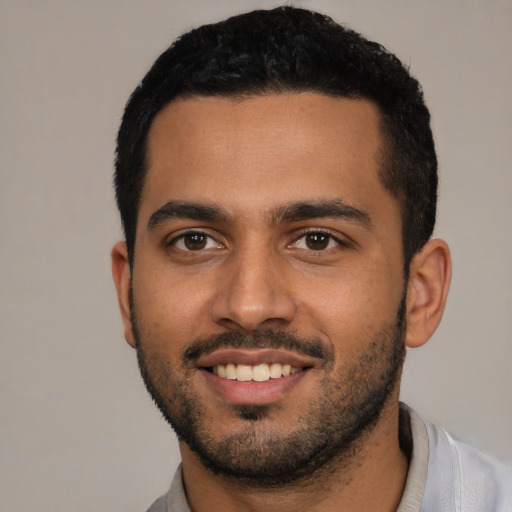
(258,373)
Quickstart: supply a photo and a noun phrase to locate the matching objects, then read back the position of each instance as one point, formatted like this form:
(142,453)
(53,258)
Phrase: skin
(258,272)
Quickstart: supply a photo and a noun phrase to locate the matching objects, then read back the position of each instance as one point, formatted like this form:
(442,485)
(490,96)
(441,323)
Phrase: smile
(254,376)
(257,373)
(262,376)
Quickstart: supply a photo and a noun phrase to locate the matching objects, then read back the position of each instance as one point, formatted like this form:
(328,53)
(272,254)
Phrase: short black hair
(289,49)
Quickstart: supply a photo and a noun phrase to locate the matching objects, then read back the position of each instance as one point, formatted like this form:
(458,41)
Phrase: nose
(253,293)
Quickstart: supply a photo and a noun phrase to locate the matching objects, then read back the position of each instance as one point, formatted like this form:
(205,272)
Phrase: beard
(331,425)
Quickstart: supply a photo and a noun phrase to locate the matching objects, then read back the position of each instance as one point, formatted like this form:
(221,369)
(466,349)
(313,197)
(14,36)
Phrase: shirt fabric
(444,475)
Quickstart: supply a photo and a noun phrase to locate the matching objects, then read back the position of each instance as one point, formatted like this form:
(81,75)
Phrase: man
(277,178)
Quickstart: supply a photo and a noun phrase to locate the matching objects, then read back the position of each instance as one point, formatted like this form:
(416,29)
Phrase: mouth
(262,376)
(255,373)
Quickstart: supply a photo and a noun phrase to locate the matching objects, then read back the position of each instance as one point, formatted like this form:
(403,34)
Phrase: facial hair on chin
(326,433)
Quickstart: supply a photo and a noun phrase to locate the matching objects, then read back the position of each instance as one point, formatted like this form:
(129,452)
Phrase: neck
(372,477)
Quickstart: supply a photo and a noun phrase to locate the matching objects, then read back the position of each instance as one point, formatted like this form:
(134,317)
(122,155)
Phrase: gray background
(77,430)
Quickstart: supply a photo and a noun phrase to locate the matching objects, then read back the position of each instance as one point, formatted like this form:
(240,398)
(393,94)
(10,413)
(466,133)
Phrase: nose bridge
(252,289)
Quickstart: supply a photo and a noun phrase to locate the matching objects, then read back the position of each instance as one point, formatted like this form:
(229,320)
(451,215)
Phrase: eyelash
(182,237)
(209,238)
(316,231)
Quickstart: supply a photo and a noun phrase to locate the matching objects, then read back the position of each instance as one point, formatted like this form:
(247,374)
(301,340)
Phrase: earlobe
(429,282)
(122,279)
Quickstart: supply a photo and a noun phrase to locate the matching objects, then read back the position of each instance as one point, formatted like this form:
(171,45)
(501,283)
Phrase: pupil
(195,241)
(317,241)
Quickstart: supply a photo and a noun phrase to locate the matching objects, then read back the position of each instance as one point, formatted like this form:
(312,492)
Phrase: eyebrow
(334,209)
(187,210)
(304,210)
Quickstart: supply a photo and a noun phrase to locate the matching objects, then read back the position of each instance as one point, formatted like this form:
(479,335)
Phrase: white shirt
(450,476)
(444,476)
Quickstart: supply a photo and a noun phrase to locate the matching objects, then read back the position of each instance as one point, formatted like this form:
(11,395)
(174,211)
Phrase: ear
(429,282)
(122,279)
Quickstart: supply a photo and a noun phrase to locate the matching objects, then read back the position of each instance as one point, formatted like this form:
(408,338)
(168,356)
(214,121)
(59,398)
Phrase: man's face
(265,242)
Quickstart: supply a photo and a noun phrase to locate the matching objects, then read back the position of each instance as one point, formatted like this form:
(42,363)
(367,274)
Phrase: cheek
(168,310)
(350,306)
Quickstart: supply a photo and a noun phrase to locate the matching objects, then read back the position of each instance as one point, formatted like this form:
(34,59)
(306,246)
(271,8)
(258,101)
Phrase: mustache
(265,339)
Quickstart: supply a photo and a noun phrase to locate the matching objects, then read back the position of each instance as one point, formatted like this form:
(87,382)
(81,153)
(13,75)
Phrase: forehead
(274,148)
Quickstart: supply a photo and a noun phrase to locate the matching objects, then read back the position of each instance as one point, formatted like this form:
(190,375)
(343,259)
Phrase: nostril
(252,298)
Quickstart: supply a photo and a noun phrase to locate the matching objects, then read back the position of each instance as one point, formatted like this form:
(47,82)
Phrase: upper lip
(254,357)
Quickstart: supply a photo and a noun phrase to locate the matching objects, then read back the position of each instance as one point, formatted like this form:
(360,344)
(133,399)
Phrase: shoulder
(459,474)
(159,505)
(481,479)
(175,499)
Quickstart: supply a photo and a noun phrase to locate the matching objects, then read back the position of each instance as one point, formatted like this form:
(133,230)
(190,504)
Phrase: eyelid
(341,240)
(173,238)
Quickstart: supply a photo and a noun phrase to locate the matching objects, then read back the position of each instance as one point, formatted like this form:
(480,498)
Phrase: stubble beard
(328,433)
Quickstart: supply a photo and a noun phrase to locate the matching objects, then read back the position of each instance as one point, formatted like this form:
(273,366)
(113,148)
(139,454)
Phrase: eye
(316,241)
(195,241)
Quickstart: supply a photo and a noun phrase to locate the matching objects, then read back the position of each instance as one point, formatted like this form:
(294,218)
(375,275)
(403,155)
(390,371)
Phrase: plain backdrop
(77,428)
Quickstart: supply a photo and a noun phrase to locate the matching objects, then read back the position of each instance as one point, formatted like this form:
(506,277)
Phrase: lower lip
(252,393)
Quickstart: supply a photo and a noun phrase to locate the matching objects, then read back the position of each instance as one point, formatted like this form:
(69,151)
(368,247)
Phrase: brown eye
(195,241)
(317,241)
